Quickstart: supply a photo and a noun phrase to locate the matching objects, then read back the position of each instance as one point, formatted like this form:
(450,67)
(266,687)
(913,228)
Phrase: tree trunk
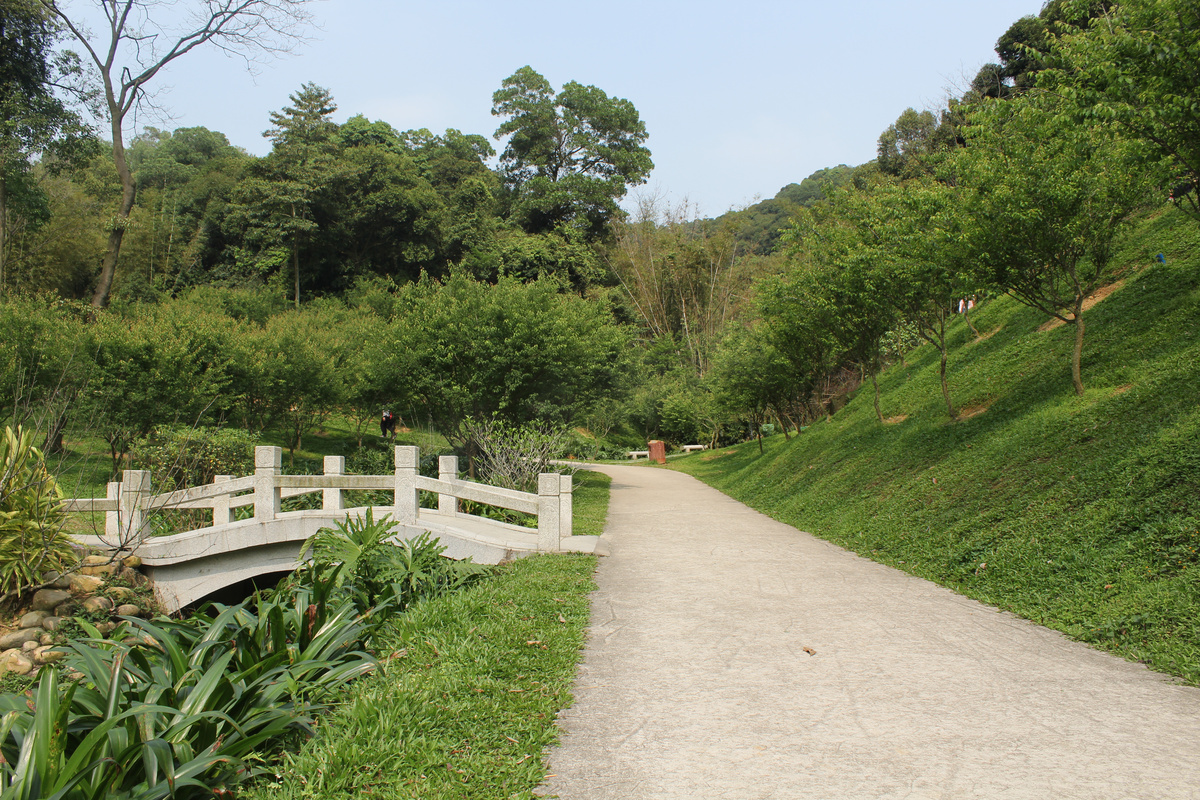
(1077,355)
(875,383)
(967,317)
(945,385)
(108,267)
(295,257)
(3,231)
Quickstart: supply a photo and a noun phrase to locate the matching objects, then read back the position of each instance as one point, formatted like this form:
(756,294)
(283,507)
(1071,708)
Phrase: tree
(1138,65)
(570,157)
(33,121)
(517,352)
(138,43)
(1047,197)
(685,280)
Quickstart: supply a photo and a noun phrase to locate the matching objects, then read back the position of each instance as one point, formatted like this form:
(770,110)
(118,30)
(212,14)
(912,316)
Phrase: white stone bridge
(188,566)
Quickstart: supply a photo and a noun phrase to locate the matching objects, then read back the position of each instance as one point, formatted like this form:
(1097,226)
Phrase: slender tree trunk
(108,267)
(1077,355)
(3,232)
(945,385)
(875,383)
(967,317)
(296,257)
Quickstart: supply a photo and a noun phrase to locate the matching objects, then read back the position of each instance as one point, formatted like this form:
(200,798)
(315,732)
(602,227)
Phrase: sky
(738,100)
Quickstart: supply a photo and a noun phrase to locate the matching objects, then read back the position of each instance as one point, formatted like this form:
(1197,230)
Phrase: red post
(658,451)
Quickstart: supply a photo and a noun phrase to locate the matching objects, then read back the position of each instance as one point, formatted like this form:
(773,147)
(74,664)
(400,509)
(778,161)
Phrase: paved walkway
(731,656)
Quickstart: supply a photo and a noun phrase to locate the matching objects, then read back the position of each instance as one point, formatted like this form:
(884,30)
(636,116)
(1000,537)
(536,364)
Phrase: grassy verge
(1080,513)
(590,502)
(467,701)
(466,704)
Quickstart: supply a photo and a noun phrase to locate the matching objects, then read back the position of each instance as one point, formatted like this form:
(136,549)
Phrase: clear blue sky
(738,100)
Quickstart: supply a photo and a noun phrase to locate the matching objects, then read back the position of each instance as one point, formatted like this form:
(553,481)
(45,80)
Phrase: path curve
(732,656)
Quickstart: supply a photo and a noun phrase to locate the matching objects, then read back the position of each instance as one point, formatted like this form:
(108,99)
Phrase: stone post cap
(335,465)
(136,479)
(407,457)
(548,483)
(268,458)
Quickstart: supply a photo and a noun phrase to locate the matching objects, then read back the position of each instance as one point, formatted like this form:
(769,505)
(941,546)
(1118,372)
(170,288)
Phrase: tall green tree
(33,120)
(1138,65)
(1046,198)
(570,156)
(141,38)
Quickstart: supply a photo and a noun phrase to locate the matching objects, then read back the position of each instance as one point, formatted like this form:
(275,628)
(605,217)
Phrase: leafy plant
(31,516)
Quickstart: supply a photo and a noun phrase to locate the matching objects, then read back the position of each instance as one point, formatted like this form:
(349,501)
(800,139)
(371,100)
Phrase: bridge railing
(128,502)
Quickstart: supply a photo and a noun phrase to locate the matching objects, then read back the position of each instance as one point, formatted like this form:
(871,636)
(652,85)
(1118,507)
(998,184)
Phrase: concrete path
(731,656)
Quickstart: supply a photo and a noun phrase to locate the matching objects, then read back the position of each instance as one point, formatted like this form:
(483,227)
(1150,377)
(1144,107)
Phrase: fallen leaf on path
(809,650)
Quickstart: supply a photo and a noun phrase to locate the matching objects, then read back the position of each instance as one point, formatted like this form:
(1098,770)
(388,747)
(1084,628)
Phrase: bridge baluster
(407,460)
(549,512)
(566,510)
(333,499)
(447,471)
(222,513)
(133,501)
(268,463)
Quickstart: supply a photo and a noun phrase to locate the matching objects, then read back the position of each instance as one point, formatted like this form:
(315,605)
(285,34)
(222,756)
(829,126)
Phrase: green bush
(31,516)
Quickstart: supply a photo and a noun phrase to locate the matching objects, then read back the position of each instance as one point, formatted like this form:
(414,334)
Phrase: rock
(16,662)
(86,584)
(57,580)
(97,605)
(33,619)
(48,599)
(47,639)
(47,655)
(132,562)
(31,645)
(52,623)
(68,609)
(96,560)
(128,610)
(133,577)
(17,639)
(122,594)
(106,627)
(104,571)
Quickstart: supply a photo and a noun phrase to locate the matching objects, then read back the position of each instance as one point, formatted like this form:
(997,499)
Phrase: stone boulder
(49,599)
(97,605)
(33,619)
(15,661)
(18,638)
(86,584)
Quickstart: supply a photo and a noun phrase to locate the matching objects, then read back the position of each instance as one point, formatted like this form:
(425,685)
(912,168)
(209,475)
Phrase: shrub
(31,516)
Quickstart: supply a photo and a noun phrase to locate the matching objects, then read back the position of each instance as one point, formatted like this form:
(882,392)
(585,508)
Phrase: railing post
(548,512)
(133,502)
(566,509)
(448,471)
(112,519)
(408,458)
(332,499)
(222,513)
(268,462)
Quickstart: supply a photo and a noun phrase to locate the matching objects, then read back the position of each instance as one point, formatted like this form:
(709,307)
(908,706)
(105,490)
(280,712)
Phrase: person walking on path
(733,657)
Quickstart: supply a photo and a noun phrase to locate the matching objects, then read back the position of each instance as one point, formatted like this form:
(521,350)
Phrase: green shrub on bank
(31,516)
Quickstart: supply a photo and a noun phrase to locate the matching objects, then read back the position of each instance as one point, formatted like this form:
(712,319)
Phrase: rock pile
(30,645)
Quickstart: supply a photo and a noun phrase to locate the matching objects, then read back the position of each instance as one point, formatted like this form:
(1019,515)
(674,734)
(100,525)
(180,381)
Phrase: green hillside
(1080,513)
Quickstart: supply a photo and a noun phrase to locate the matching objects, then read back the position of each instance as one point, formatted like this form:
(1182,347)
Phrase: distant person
(387,425)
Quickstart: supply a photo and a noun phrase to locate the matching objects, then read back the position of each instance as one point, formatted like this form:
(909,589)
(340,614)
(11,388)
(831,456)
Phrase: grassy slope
(1080,513)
